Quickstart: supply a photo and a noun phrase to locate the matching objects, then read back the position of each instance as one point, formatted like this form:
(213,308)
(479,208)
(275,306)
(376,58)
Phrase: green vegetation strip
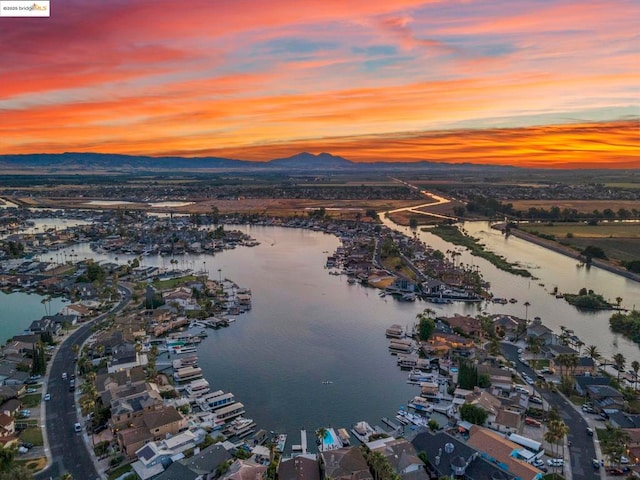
(453,235)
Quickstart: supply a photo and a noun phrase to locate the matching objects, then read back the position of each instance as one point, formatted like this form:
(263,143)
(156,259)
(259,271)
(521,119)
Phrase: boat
(327,382)
(241,427)
(420,404)
(417,376)
(344,436)
(280,441)
(184,350)
(362,431)
(513,300)
(412,418)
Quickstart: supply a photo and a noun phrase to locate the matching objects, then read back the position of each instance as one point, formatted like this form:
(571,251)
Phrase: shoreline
(569,252)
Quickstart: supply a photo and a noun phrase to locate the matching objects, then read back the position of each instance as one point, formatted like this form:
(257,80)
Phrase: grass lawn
(113,474)
(32,435)
(173,282)
(31,400)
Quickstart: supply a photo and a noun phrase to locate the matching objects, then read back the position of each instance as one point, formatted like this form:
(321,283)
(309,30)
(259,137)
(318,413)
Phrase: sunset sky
(527,82)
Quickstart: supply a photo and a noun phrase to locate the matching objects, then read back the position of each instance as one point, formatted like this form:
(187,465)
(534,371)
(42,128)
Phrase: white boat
(362,431)
(417,376)
(241,426)
(184,350)
(420,404)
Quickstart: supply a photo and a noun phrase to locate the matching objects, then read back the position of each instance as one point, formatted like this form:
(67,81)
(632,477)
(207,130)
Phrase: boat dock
(302,448)
(391,424)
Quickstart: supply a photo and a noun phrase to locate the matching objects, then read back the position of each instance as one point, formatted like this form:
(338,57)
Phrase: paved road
(582,448)
(68,449)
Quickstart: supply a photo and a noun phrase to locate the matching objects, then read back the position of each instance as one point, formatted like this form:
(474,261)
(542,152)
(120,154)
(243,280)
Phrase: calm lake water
(307,326)
(18,310)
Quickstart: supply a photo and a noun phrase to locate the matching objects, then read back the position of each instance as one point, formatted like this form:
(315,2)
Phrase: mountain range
(105,162)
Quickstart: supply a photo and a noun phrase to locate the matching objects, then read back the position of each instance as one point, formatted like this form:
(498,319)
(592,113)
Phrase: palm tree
(526,312)
(635,366)
(66,476)
(321,433)
(619,361)
(593,353)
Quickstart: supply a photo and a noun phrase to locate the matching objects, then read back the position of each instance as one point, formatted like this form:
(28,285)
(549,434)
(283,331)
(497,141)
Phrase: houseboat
(421,404)
(187,374)
(228,413)
(240,427)
(197,388)
(362,431)
(395,331)
(215,400)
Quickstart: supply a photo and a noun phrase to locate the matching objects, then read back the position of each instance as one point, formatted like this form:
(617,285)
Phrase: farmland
(618,240)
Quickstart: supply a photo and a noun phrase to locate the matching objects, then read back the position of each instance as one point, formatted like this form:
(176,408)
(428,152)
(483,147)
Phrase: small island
(588,300)
(628,324)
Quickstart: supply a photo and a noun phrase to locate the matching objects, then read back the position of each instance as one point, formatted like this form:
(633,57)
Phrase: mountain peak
(310,160)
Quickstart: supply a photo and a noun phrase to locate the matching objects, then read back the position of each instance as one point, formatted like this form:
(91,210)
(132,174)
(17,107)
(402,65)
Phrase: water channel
(307,327)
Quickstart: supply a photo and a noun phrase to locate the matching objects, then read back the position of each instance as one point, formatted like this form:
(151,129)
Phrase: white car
(624,460)
(47,397)
(77,427)
(538,462)
(555,462)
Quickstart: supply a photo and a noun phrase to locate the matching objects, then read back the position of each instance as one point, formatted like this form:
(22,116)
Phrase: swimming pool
(330,440)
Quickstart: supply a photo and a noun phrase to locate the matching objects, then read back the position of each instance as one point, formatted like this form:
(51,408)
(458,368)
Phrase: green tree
(426,324)
(635,366)
(321,433)
(473,414)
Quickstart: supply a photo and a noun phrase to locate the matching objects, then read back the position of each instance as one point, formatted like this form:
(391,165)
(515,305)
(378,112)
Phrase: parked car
(535,399)
(595,463)
(615,471)
(624,460)
(532,421)
(64,375)
(77,427)
(538,462)
(555,462)
(590,431)
(47,397)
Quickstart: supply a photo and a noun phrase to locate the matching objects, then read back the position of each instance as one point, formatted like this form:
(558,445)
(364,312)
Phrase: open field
(582,230)
(582,206)
(620,241)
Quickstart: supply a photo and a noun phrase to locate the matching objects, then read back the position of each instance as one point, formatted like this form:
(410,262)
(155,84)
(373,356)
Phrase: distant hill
(76,163)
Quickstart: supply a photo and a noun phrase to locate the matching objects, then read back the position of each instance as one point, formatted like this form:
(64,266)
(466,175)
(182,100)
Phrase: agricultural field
(582,206)
(620,241)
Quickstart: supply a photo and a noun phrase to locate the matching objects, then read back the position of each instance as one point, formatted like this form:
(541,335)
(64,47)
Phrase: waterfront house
(347,463)
(76,309)
(154,457)
(449,457)
(543,333)
(301,467)
(507,325)
(152,425)
(581,382)
(464,325)
(505,453)
(132,402)
(402,457)
(627,421)
(244,470)
(605,397)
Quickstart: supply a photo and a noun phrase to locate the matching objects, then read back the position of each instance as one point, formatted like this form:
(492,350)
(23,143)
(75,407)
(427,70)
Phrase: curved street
(68,450)
(582,448)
